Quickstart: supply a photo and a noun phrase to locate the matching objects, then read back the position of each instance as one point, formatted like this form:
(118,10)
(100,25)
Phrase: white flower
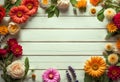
(44,3)
(109,47)
(16,70)
(63,4)
(93,11)
(109,13)
(13,1)
(113,59)
(13,28)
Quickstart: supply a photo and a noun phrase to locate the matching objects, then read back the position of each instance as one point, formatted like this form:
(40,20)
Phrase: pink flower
(51,75)
(32,6)
(12,42)
(114,72)
(116,20)
(3,52)
(19,14)
(17,50)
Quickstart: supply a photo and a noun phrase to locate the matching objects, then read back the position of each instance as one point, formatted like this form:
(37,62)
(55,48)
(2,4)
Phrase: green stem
(7,6)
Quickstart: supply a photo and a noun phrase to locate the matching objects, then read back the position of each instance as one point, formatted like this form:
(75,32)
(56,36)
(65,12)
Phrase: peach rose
(13,28)
(16,70)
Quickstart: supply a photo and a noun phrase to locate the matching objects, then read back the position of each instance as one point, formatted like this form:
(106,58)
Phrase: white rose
(16,70)
(63,4)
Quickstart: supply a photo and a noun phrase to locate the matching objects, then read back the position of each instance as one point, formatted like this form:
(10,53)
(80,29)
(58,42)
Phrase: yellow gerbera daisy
(81,4)
(95,67)
(113,59)
(3,30)
(111,27)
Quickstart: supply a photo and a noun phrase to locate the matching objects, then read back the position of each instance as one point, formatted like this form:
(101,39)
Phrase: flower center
(51,76)
(29,6)
(45,2)
(109,12)
(19,14)
(114,72)
(95,67)
(93,11)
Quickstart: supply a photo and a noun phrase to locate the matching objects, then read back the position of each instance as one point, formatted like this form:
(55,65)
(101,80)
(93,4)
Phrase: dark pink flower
(17,50)
(3,52)
(12,42)
(32,6)
(19,14)
(114,72)
(2,13)
(116,20)
(51,75)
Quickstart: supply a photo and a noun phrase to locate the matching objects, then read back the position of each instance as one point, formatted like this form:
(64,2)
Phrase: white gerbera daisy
(113,59)
(109,47)
(109,13)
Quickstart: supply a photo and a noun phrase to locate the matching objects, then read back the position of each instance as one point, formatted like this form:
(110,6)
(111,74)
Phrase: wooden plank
(47,35)
(79,73)
(63,48)
(58,62)
(61,22)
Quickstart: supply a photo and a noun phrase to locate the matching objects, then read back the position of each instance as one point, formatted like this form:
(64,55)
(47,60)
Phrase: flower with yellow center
(113,59)
(3,30)
(95,66)
(109,47)
(13,28)
(109,13)
(111,27)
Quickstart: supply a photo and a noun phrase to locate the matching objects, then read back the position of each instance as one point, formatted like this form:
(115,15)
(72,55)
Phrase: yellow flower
(13,28)
(118,44)
(109,47)
(113,59)
(45,2)
(109,13)
(111,27)
(95,66)
(81,4)
(95,2)
(3,30)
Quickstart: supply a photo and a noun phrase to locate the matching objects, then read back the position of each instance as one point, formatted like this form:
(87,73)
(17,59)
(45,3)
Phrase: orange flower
(95,66)
(3,30)
(111,27)
(118,44)
(95,2)
(81,4)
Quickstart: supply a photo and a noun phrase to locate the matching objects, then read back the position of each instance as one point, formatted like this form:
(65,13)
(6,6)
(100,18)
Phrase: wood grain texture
(59,42)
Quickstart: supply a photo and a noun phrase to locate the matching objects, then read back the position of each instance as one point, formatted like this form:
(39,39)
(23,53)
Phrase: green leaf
(88,78)
(100,15)
(109,35)
(73,2)
(118,64)
(50,9)
(54,1)
(26,66)
(51,14)
(57,12)
(106,79)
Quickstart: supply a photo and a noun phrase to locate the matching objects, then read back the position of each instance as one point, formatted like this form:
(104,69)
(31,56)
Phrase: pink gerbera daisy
(19,14)
(51,75)
(32,5)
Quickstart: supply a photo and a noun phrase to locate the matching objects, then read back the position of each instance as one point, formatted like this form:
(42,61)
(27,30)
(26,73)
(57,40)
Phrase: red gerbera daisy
(19,14)
(32,5)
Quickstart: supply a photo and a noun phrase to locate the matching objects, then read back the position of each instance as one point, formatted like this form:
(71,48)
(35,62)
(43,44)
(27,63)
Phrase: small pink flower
(12,42)
(19,14)
(51,75)
(31,5)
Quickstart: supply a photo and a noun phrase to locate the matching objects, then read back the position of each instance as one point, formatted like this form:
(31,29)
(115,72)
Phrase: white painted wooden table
(60,42)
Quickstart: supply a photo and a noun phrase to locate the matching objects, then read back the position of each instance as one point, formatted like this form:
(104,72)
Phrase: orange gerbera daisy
(118,44)
(81,4)
(111,27)
(19,14)
(95,2)
(95,67)
(3,30)
(32,6)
